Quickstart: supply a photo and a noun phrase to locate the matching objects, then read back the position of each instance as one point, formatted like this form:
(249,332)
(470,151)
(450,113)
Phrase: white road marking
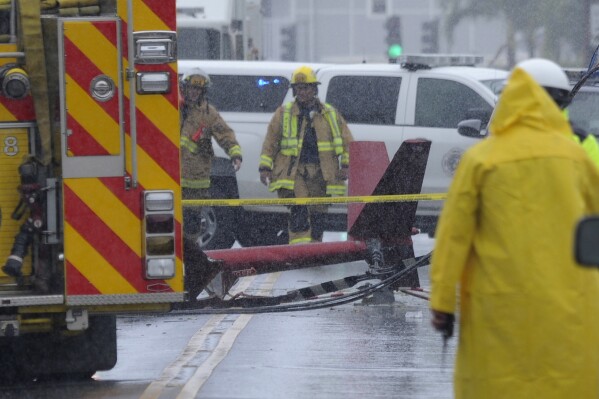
(225,344)
(194,384)
(203,372)
(193,346)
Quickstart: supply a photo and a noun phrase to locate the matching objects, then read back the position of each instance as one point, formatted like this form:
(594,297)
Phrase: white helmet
(196,77)
(550,76)
(546,73)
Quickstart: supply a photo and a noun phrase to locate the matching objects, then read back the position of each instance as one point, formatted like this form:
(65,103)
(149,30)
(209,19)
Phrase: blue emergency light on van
(265,82)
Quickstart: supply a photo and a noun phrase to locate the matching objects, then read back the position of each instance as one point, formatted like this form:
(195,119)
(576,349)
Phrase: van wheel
(210,226)
(261,230)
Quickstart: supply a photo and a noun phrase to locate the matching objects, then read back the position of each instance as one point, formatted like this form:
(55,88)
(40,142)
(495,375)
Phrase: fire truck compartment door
(15,139)
(91,98)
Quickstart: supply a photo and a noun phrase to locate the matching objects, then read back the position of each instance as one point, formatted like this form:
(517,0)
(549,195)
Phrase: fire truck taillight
(14,82)
(159,201)
(155,47)
(153,82)
(159,234)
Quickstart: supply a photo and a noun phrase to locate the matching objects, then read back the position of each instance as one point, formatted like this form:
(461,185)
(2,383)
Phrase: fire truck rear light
(160,245)
(160,268)
(153,82)
(155,47)
(159,201)
(158,223)
(159,233)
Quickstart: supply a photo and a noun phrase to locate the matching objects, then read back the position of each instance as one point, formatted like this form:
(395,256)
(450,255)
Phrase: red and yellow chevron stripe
(103,219)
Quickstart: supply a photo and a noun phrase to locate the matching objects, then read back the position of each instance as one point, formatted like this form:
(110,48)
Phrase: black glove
(342,173)
(236,162)
(265,176)
(443,322)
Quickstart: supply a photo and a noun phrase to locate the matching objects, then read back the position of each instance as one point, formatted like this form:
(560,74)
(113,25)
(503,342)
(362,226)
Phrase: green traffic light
(394,50)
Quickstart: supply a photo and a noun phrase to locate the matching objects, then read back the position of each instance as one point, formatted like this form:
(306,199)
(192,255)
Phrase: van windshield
(496,85)
(235,93)
(583,110)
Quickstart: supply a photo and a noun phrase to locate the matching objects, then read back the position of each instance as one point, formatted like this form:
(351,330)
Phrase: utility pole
(587,47)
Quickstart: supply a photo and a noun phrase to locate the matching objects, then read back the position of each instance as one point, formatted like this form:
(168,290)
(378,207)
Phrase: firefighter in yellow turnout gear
(200,122)
(306,154)
(586,139)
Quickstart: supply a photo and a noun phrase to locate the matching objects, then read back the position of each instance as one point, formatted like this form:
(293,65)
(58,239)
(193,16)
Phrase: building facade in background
(347,31)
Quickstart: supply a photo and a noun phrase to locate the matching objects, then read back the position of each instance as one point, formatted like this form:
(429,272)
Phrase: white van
(417,98)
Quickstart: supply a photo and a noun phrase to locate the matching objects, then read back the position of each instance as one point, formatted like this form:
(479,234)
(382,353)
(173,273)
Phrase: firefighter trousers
(306,221)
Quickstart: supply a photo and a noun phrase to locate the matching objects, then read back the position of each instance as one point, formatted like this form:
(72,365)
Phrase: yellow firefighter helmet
(304,75)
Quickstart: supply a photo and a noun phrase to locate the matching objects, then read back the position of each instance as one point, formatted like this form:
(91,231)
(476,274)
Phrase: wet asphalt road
(350,351)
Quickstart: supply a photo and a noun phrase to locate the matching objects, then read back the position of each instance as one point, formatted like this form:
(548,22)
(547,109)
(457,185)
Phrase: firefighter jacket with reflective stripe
(588,142)
(283,145)
(200,124)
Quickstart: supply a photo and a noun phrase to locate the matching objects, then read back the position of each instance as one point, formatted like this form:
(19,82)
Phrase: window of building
(444,103)
(235,93)
(378,7)
(369,100)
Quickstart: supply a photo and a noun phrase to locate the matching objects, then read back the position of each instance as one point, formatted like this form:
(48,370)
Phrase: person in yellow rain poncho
(528,314)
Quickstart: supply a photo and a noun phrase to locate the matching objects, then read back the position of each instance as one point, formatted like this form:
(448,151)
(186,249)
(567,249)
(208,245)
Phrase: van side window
(368,100)
(444,103)
(236,93)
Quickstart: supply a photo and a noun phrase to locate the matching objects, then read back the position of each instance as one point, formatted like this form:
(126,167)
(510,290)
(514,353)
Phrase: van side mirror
(484,114)
(586,242)
(472,128)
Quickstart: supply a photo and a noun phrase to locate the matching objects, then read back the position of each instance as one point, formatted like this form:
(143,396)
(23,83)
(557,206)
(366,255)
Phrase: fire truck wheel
(262,229)
(71,356)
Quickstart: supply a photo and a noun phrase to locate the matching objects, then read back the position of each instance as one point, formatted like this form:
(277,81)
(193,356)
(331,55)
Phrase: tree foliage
(540,27)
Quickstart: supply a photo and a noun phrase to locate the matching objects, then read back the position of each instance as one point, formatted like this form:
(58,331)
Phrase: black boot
(13,266)
(317,226)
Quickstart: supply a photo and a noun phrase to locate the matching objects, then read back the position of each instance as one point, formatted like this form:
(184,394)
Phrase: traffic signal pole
(393,38)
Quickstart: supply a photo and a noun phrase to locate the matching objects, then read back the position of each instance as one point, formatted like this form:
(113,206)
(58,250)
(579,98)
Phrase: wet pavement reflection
(350,351)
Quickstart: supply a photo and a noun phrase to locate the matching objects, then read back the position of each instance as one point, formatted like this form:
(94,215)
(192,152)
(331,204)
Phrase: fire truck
(90,178)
